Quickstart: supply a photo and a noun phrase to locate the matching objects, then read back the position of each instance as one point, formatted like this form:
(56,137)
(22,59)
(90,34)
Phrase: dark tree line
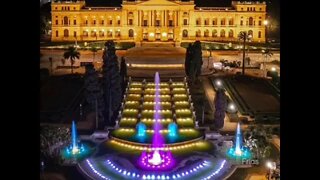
(193,61)
(106,96)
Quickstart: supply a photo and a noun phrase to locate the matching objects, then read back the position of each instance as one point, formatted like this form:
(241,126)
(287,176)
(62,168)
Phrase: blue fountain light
(239,151)
(141,129)
(173,129)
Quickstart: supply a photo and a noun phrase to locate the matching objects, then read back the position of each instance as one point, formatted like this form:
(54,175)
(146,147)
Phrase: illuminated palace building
(156,20)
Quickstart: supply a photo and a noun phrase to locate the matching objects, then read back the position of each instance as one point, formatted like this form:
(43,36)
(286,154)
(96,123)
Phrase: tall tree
(243,35)
(71,54)
(197,57)
(188,59)
(111,82)
(123,74)
(220,109)
(94,93)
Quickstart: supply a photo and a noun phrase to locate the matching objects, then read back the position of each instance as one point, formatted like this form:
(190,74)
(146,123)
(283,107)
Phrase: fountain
(238,151)
(157,159)
(141,129)
(173,129)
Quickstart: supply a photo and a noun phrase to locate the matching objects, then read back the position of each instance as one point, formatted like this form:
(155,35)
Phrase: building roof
(199,3)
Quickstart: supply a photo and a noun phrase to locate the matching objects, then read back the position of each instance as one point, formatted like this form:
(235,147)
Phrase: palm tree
(71,54)
(243,35)
(94,49)
(266,53)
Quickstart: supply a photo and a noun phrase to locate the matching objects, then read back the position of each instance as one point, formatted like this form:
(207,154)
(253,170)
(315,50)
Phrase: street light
(218,83)
(273,69)
(271,166)
(266,22)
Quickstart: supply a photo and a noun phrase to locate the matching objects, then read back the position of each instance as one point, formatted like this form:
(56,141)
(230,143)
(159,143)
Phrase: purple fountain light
(157,160)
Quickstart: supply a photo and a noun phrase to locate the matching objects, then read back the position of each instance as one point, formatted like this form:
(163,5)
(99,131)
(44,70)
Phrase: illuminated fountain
(157,159)
(75,150)
(173,129)
(239,151)
(141,129)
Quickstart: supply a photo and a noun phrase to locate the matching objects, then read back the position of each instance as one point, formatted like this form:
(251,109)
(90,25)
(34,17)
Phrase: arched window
(250,21)
(223,22)
(206,33)
(214,33)
(198,22)
(259,34)
(101,33)
(231,22)
(66,33)
(250,32)
(185,33)
(85,33)
(65,21)
(230,33)
(206,22)
(57,33)
(131,33)
(198,33)
(222,33)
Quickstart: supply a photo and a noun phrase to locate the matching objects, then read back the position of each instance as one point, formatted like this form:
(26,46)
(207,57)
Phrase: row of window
(65,8)
(95,34)
(251,9)
(214,33)
(66,22)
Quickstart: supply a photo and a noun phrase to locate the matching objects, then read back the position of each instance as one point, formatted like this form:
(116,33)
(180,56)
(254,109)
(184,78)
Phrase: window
(241,9)
(223,22)
(130,13)
(247,9)
(85,33)
(130,21)
(222,33)
(57,33)
(241,23)
(250,21)
(206,33)
(74,8)
(74,22)
(259,23)
(65,21)
(185,13)
(206,22)
(118,22)
(109,33)
(198,33)
(170,23)
(56,8)
(62,8)
(185,22)
(185,33)
(86,22)
(260,17)
(102,22)
(260,9)
(157,23)
(93,34)
(68,8)
(214,33)
(57,22)
(214,22)
(198,22)
(118,33)
(94,22)
(131,33)
(110,22)
(145,22)
(101,33)
(250,32)
(231,22)
(230,33)
(251,9)
(75,34)
(66,33)
(259,34)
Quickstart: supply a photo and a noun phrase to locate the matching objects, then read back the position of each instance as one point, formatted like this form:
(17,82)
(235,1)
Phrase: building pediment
(158,3)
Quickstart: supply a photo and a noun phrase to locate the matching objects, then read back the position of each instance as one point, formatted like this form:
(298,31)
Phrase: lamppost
(265,23)
(271,167)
